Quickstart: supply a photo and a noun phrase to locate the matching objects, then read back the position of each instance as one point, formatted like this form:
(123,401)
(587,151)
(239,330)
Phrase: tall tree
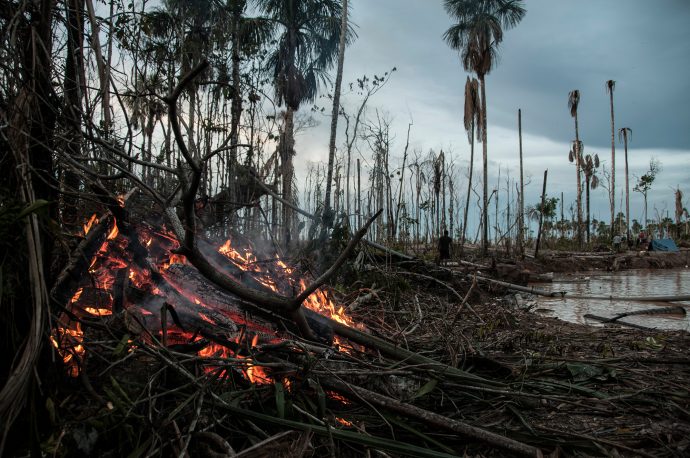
(590,164)
(308,35)
(625,133)
(477,35)
(521,211)
(327,213)
(576,156)
(472,122)
(610,87)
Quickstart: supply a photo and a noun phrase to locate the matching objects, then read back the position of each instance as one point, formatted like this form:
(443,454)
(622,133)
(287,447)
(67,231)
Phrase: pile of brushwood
(448,369)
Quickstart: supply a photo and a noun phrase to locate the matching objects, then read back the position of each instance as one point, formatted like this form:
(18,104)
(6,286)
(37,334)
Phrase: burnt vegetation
(168,287)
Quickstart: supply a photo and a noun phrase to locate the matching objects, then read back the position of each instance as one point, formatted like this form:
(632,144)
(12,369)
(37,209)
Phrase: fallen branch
(622,323)
(656,311)
(431,418)
(463,300)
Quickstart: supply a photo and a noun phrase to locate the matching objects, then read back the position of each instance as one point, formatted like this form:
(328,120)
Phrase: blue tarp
(663,245)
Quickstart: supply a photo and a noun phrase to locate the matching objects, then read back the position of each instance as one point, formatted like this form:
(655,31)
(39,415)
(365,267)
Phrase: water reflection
(628,283)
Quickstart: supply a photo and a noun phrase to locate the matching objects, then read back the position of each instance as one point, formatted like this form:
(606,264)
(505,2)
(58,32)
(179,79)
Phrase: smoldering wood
(72,275)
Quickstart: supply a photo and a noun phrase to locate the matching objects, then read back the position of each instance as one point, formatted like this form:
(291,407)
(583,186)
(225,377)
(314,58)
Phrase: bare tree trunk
(610,87)
(402,177)
(327,216)
(521,215)
(359,193)
(587,181)
(287,151)
(485,195)
(541,214)
(579,184)
(236,109)
(627,188)
(74,63)
(469,189)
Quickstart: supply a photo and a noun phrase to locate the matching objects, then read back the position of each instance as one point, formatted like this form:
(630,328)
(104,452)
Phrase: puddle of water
(628,283)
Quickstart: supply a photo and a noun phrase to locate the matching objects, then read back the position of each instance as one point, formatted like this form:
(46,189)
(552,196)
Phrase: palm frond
(610,86)
(573,102)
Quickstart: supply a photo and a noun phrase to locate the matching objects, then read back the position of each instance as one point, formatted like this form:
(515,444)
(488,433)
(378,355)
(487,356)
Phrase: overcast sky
(559,46)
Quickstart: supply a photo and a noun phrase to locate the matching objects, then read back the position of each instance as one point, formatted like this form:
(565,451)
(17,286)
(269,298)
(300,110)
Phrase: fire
(76,296)
(114,231)
(337,397)
(343,422)
(173,259)
(89,223)
(318,301)
(112,257)
(98,311)
(254,373)
(69,344)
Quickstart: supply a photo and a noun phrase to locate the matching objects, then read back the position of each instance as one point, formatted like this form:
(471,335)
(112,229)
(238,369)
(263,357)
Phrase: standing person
(444,247)
(616,243)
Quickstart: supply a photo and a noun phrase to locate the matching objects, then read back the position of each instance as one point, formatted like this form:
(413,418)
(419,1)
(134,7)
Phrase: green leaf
(280,399)
(426,389)
(121,346)
(34,207)
(582,372)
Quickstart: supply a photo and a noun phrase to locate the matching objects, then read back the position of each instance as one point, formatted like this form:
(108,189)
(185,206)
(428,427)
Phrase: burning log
(283,305)
(80,260)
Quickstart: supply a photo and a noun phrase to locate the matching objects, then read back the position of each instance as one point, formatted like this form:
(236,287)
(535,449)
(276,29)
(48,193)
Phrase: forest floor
(483,376)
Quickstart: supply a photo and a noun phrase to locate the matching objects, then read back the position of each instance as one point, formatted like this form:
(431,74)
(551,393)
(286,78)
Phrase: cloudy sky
(559,46)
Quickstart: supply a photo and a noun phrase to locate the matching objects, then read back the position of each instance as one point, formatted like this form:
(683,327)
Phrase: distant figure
(642,241)
(444,247)
(617,243)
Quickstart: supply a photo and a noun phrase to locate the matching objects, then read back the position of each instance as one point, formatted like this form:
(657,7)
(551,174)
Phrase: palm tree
(590,166)
(472,120)
(610,87)
(477,35)
(308,35)
(576,156)
(623,134)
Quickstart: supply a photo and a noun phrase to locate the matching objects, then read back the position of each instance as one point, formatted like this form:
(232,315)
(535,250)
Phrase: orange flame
(69,344)
(114,231)
(89,223)
(343,422)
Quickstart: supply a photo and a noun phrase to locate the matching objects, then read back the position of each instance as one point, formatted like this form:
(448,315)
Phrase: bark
(579,184)
(612,191)
(627,188)
(521,216)
(287,152)
(541,213)
(74,63)
(327,216)
(485,194)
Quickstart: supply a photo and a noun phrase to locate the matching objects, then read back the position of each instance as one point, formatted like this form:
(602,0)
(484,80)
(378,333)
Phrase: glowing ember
(68,342)
(337,397)
(112,257)
(343,422)
(76,296)
(98,311)
(318,301)
(174,259)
